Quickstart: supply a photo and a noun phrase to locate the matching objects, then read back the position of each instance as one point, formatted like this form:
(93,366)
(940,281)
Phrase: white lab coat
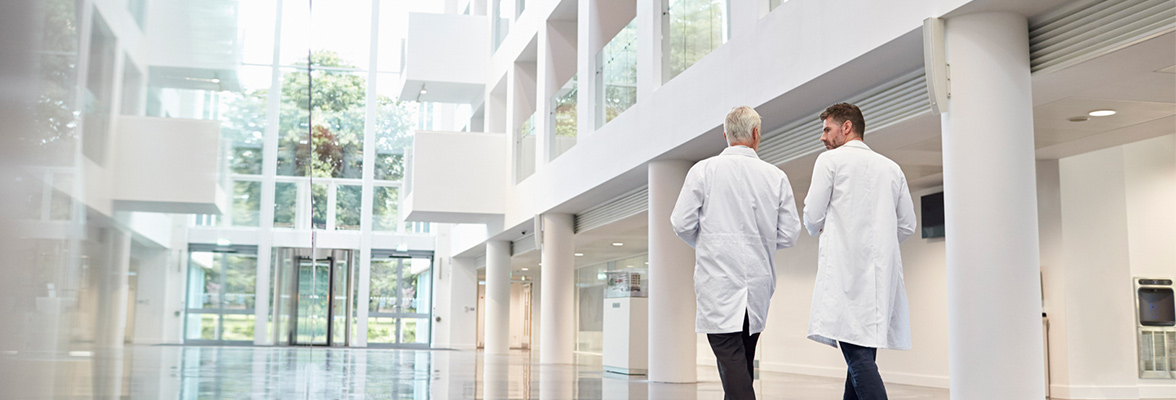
(861,200)
(736,211)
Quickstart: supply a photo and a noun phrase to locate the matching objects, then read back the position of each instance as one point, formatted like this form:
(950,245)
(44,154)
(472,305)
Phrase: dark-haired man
(860,205)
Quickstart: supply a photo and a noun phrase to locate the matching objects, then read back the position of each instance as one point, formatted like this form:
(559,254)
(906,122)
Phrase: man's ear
(847,127)
(725,138)
(755,134)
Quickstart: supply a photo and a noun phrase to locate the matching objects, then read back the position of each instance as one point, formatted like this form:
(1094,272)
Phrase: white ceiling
(1135,81)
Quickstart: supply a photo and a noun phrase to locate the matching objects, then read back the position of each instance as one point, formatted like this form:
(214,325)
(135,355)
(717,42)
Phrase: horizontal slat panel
(882,106)
(1087,30)
(622,207)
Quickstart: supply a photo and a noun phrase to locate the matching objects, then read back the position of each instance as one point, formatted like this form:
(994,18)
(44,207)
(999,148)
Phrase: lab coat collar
(857,144)
(739,150)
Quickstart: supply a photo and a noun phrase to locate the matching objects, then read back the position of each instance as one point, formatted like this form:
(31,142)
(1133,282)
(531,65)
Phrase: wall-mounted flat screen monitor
(933,216)
(1156,307)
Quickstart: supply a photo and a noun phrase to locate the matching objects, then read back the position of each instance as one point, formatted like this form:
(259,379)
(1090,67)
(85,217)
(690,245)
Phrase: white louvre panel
(1090,29)
(883,106)
(524,244)
(625,206)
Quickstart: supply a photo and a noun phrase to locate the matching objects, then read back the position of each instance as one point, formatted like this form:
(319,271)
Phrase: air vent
(885,105)
(523,245)
(622,207)
(1086,30)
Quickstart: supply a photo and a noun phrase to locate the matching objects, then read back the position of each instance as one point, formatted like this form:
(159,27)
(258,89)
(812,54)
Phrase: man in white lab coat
(736,211)
(860,205)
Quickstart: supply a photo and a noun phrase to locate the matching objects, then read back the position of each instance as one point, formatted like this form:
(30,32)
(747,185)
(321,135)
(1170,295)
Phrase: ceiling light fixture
(423,91)
(1102,113)
(579,254)
(618,244)
(525,269)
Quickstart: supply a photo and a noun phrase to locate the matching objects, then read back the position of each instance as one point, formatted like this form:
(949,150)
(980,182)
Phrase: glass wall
(617,67)
(590,287)
(400,302)
(694,29)
(563,110)
(525,150)
(221,296)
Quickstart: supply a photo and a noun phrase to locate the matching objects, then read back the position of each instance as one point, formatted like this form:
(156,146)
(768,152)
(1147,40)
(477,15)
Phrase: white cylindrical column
(990,209)
(557,325)
(497,297)
(672,339)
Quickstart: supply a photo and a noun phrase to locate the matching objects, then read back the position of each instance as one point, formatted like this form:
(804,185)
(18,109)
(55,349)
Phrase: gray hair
(739,124)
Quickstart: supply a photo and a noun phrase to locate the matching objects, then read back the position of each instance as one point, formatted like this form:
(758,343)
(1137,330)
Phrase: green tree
(334,104)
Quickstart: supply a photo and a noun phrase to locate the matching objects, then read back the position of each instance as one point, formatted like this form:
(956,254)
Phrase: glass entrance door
(399,303)
(313,305)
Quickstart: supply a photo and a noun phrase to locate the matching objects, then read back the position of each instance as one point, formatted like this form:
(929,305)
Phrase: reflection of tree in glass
(246,203)
(620,72)
(384,212)
(54,114)
(696,28)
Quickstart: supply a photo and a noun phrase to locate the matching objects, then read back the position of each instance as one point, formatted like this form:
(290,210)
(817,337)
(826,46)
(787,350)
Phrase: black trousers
(862,381)
(735,352)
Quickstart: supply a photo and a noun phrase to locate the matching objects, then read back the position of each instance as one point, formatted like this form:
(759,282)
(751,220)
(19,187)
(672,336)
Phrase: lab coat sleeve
(687,210)
(816,203)
(787,222)
(905,210)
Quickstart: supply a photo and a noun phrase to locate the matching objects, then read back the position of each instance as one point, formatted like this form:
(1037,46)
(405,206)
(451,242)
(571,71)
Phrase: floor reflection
(205,372)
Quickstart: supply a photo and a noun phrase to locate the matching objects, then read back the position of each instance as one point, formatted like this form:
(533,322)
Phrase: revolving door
(314,296)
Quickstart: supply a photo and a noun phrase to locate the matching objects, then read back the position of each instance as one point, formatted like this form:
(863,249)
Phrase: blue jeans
(862,382)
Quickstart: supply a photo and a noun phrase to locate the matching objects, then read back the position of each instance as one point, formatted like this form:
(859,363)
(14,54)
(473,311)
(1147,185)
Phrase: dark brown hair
(842,112)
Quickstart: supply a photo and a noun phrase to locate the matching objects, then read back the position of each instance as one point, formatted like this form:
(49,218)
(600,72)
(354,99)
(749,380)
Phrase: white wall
(1106,216)
(784,347)
(1117,223)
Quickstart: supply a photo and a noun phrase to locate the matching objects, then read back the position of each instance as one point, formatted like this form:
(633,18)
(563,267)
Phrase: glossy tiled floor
(190,372)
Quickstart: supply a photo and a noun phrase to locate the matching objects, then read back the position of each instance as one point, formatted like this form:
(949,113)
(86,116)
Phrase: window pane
(240,282)
(204,280)
(347,206)
(318,209)
(525,150)
(381,330)
(285,204)
(384,290)
(337,116)
(384,208)
(201,326)
(414,330)
(696,27)
(564,106)
(394,125)
(295,35)
(343,27)
(256,21)
(238,327)
(246,203)
(618,71)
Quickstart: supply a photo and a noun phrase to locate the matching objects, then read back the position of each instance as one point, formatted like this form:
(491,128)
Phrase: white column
(672,340)
(364,269)
(990,209)
(269,169)
(557,329)
(497,296)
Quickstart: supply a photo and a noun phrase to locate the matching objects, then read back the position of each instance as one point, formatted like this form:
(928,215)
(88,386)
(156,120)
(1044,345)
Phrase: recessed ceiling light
(618,244)
(1080,118)
(1102,113)
(423,91)
(1170,69)
(579,254)
(525,269)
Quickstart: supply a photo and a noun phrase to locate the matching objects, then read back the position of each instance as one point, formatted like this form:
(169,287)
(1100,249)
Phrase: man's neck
(753,148)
